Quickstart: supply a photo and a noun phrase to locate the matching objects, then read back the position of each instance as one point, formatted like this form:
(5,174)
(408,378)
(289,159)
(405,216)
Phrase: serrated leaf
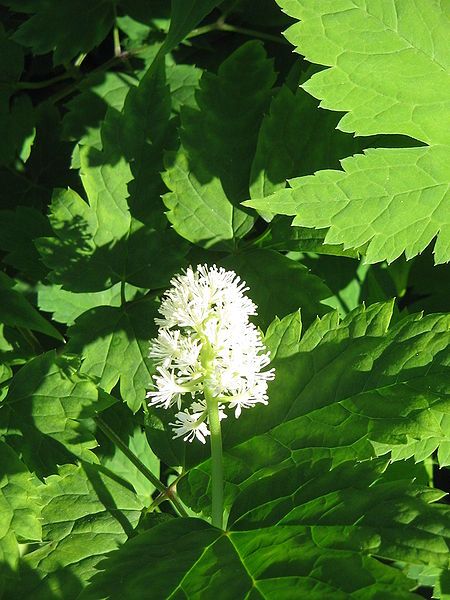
(47,31)
(114,345)
(373,54)
(358,497)
(121,420)
(47,413)
(184,17)
(16,311)
(81,228)
(210,174)
(283,336)
(287,142)
(364,204)
(86,513)
(122,234)
(266,273)
(67,306)
(319,565)
(19,505)
(355,389)
(394,200)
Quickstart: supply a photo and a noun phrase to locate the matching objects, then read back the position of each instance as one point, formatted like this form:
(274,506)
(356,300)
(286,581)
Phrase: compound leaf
(210,174)
(86,513)
(188,558)
(16,311)
(47,413)
(47,30)
(184,17)
(114,343)
(266,273)
(19,505)
(390,75)
(355,389)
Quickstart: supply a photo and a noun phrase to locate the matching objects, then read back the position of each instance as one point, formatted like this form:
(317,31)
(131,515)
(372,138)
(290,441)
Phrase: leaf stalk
(168,493)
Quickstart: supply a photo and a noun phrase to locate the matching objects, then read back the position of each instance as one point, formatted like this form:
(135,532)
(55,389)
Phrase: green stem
(80,59)
(252,33)
(37,85)
(216,460)
(259,239)
(202,30)
(168,492)
(31,339)
(61,94)
(116,37)
(220,25)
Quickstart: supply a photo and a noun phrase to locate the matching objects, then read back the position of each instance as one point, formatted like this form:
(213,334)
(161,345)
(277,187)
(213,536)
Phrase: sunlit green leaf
(210,174)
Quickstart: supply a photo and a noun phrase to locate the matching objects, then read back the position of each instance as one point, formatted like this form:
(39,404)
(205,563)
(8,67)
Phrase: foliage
(392,78)
(140,137)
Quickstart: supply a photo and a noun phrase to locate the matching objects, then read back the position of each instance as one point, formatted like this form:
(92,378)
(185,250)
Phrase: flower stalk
(216,460)
(209,359)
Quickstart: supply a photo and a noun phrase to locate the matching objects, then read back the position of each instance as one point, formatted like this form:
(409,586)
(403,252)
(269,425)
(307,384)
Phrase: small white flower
(169,388)
(206,346)
(191,425)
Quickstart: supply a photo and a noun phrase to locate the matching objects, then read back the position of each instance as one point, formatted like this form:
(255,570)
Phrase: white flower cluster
(206,346)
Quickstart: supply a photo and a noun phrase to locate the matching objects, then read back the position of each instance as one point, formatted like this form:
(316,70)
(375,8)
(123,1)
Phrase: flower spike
(207,348)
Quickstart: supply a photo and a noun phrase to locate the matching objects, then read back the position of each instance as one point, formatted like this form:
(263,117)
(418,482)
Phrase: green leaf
(184,81)
(17,230)
(47,30)
(355,389)
(19,505)
(122,234)
(364,203)
(114,343)
(67,306)
(155,252)
(287,142)
(142,17)
(16,311)
(184,17)
(16,348)
(401,46)
(84,255)
(285,237)
(123,423)
(360,498)
(393,200)
(88,108)
(86,513)
(16,111)
(189,559)
(210,174)
(47,167)
(283,336)
(266,273)
(47,413)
